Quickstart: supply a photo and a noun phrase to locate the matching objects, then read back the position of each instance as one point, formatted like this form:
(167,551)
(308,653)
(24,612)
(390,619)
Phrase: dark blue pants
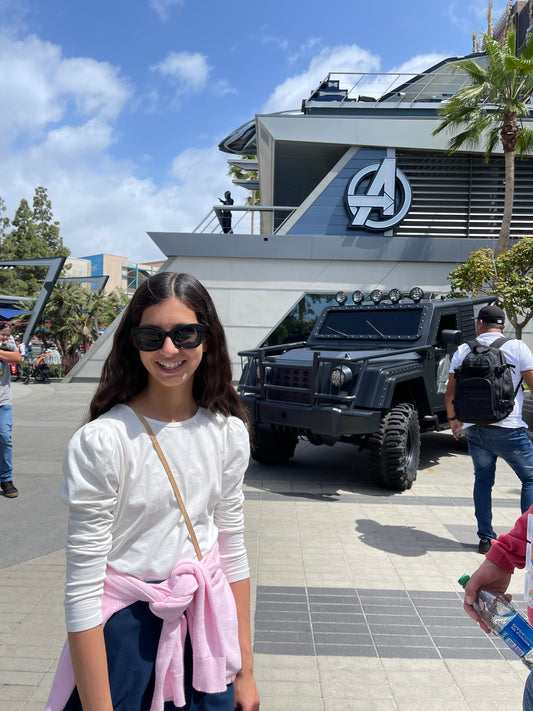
(485,445)
(131,639)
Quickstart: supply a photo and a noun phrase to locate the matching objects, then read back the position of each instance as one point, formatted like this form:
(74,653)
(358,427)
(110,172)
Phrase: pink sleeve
(509,550)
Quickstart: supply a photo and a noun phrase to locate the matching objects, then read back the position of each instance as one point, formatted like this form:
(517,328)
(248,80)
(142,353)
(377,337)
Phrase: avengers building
(356,193)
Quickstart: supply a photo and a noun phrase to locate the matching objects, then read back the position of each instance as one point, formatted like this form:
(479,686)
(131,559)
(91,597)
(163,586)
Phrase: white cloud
(66,143)
(264,37)
(290,93)
(163,7)
(222,87)
(188,68)
(39,87)
(94,86)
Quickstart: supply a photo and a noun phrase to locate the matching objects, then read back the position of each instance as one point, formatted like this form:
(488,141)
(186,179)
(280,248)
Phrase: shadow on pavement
(407,541)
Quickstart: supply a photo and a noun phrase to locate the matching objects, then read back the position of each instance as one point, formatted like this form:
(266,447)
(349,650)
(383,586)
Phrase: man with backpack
(484,403)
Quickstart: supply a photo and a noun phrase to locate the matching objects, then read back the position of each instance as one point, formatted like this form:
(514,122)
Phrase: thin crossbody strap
(163,459)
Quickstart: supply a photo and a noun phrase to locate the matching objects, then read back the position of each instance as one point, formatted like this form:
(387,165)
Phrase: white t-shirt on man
(517,354)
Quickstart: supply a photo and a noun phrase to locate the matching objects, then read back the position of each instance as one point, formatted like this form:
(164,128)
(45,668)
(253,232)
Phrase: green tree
(46,227)
(508,276)
(22,243)
(75,314)
(4,221)
(35,235)
(60,315)
(491,110)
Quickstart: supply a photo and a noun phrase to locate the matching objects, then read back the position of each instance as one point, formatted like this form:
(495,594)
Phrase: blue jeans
(6,445)
(485,445)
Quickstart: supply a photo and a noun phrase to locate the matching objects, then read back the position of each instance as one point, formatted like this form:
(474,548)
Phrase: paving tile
(273,702)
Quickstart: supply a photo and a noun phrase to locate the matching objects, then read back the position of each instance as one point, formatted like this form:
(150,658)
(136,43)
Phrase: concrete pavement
(355,597)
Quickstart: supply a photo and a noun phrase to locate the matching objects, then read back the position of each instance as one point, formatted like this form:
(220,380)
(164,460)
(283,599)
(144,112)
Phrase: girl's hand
(246,696)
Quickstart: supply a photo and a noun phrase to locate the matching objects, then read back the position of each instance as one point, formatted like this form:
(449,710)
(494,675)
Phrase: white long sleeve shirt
(123,512)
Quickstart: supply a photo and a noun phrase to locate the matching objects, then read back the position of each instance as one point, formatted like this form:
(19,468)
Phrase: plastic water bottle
(502,617)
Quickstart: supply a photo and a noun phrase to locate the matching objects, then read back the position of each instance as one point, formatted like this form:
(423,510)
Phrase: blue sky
(117,106)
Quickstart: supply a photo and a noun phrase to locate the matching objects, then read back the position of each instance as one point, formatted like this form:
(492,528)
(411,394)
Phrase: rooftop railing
(246,219)
(349,87)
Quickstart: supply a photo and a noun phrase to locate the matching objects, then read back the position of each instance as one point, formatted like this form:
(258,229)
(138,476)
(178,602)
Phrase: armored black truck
(372,372)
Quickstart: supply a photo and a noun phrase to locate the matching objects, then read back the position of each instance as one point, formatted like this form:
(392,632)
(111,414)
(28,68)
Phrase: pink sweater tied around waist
(200,588)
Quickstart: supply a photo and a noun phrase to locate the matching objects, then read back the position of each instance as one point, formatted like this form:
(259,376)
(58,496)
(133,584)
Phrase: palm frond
(524,145)
(473,69)
(526,51)
(492,140)
(468,138)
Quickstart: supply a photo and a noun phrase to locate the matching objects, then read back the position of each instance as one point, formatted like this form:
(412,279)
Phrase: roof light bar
(340,298)
(416,294)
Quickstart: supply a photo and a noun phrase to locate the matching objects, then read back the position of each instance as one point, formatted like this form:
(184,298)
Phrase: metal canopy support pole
(98,282)
(55,265)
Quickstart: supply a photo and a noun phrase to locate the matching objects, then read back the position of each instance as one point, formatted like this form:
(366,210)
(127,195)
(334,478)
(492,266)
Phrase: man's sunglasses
(151,338)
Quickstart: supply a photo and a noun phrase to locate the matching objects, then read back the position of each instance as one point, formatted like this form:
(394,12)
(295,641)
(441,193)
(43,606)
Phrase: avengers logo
(378,197)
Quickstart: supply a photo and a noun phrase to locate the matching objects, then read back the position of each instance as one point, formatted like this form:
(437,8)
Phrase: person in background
(8,354)
(224,216)
(508,439)
(22,350)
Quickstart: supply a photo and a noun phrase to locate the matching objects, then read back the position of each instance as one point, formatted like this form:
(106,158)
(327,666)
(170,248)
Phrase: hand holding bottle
(500,616)
(491,577)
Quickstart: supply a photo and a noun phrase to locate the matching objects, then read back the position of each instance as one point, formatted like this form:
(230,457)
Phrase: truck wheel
(394,451)
(271,447)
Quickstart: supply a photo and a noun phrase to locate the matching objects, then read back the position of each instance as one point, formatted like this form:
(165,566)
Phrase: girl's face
(170,366)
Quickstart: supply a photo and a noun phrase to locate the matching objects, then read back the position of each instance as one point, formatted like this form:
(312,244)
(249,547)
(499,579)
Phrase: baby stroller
(40,368)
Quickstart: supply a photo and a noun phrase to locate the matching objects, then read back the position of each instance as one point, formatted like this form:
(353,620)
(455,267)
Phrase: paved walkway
(356,601)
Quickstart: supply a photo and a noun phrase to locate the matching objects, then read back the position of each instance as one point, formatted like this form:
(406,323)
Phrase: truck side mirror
(451,339)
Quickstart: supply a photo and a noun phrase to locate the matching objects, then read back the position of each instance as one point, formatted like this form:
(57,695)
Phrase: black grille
(293,381)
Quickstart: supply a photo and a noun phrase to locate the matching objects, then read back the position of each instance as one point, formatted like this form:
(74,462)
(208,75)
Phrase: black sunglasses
(151,338)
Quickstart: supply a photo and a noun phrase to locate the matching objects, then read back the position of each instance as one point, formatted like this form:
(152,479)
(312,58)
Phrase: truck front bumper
(324,420)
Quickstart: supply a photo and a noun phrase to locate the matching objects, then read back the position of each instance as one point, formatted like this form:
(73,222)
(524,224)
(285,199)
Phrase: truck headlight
(340,376)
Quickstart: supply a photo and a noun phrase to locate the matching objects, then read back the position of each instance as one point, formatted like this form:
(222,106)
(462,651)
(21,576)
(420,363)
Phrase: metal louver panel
(462,196)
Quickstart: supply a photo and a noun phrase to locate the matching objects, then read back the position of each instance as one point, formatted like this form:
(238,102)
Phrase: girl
(177,630)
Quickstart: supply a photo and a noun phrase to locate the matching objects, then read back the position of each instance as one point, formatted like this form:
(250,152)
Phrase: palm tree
(492,109)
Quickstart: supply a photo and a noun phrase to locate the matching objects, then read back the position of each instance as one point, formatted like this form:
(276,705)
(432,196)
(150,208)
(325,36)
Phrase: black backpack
(484,390)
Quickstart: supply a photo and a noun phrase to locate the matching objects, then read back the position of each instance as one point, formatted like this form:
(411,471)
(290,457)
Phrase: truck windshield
(367,323)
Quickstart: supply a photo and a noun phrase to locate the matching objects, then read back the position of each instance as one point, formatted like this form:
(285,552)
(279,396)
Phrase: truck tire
(394,451)
(271,447)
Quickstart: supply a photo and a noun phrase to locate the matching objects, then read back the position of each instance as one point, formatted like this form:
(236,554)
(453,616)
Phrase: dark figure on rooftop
(224,216)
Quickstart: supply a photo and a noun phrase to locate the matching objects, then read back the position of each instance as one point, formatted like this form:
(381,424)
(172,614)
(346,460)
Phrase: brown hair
(123,374)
